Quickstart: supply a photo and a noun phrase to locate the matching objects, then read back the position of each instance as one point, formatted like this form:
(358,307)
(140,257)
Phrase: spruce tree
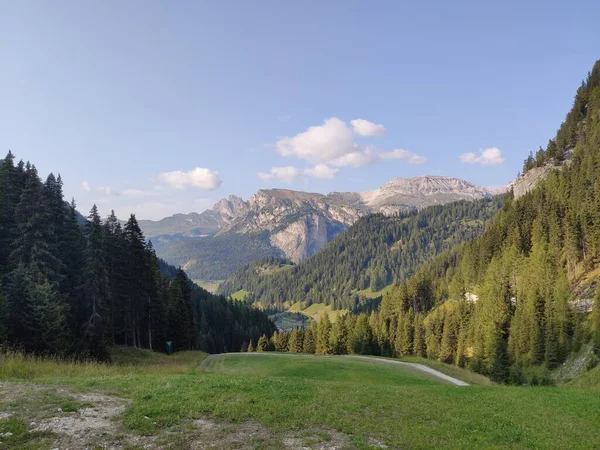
(339,336)
(309,345)
(419,348)
(295,341)
(361,337)
(323,344)
(96,287)
(262,344)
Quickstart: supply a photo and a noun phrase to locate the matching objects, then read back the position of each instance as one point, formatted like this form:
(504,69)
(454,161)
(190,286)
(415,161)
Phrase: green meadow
(354,403)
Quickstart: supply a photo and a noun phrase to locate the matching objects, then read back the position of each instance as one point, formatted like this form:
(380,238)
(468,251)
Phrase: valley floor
(189,401)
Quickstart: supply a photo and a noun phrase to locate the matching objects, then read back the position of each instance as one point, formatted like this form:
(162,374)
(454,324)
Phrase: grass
(15,435)
(16,366)
(316,311)
(369,293)
(239,295)
(365,400)
(589,380)
(210,285)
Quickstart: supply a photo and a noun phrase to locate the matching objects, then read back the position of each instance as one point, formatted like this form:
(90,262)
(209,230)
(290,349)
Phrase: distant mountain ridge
(296,223)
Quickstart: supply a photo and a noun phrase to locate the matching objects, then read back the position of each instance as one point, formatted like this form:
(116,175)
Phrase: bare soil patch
(70,420)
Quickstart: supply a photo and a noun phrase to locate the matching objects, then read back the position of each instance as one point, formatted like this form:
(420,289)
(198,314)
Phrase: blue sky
(162,107)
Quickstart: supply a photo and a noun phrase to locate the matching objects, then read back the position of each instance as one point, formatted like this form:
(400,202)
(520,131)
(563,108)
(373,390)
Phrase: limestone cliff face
(302,238)
(527,182)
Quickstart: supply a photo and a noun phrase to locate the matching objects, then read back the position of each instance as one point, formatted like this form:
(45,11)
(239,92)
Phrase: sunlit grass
(398,406)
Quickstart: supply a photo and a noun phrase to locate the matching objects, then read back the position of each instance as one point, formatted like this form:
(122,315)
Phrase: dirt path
(417,366)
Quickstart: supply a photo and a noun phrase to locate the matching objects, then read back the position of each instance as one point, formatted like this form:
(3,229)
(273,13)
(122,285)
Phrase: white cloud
(288,174)
(332,144)
(200,178)
(409,157)
(491,156)
(86,186)
(321,171)
(363,127)
(359,158)
(319,144)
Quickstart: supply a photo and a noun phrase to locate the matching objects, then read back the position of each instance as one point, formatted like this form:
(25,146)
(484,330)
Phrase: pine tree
(273,341)
(180,325)
(72,250)
(262,344)
(309,345)
(137,285)
(281,344)
(499,365)
(361,337)
(419,347)
(96,286)
(250,347)
(449,341)
(323,344)
(339,336)
(295,341)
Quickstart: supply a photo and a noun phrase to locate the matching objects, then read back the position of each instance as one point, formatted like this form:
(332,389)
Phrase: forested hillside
(508,303)
(216,257)
(374,252)
(75,291)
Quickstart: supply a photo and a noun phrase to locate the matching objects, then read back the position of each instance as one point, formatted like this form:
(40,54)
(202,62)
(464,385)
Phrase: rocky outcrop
(229,208)
(529,180)
(302,238)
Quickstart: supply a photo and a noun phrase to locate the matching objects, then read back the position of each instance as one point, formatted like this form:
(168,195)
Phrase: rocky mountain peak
(431,184)
(230,207)
(421,191)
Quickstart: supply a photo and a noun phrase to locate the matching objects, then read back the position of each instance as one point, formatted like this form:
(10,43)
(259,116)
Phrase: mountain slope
(505,304)
(374,252)
(290,223)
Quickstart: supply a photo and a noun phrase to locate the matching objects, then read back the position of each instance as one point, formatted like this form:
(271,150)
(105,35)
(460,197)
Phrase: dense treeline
(216,257)
(72,290)
(374,252)
(511,291)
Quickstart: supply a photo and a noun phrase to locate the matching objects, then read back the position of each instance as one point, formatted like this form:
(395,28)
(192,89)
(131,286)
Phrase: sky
(155,108)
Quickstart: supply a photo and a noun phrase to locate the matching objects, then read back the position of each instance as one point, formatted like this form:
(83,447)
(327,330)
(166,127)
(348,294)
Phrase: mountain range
(292,224)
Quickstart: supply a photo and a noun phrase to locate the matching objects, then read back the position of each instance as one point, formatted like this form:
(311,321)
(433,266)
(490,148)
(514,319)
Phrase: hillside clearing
(317,310)
(239,295)
(210,285)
